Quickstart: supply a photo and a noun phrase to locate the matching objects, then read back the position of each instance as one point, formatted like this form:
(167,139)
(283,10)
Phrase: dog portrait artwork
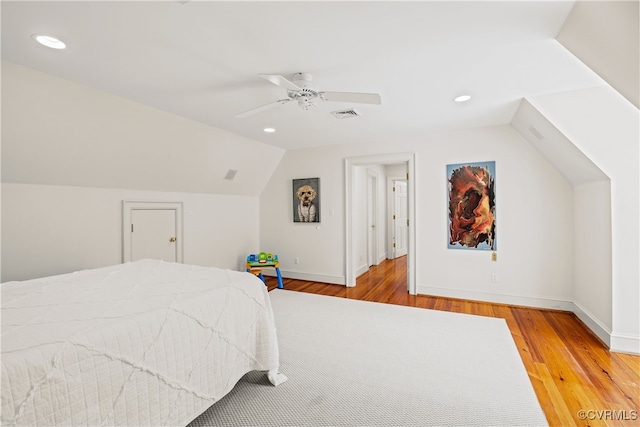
(306,200)
(306,208)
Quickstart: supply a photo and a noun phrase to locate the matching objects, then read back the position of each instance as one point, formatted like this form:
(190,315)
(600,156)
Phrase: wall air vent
(536,133)
(344,114)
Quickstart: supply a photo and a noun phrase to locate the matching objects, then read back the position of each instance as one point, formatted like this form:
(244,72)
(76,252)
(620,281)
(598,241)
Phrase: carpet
(357,363)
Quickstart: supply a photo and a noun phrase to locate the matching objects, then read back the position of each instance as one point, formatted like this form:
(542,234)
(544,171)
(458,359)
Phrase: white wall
(592,256)
(534,204)
(71,154)
(606,127)
(317,246)
(49,230)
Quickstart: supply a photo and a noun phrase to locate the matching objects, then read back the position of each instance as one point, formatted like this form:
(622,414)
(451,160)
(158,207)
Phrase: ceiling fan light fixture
(269,130)
(462,98)
(49,41)
(305,103)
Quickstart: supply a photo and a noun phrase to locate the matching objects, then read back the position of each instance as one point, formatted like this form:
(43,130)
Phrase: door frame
(130,205)
(350,163)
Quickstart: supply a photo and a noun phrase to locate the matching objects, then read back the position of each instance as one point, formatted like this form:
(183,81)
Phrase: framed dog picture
(306,200)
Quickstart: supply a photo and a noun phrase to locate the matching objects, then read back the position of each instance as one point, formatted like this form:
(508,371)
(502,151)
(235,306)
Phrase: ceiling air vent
(344,114)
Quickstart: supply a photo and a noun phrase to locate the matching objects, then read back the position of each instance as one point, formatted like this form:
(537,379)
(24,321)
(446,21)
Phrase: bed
(140,343)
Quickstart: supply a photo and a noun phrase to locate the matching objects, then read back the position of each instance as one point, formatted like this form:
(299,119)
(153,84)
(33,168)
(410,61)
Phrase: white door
(372,235)
(400,222)
(152,230)
(153,234)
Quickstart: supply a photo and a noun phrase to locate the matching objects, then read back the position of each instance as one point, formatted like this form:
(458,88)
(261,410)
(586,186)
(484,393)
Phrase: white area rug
(357,363)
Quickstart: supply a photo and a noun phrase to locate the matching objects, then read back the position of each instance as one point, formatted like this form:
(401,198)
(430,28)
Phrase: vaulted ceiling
(201,60)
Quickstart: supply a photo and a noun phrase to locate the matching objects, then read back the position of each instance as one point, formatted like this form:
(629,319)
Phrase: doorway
(152,230)
(351,207)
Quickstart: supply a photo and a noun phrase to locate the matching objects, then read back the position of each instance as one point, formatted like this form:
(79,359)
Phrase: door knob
(172,239)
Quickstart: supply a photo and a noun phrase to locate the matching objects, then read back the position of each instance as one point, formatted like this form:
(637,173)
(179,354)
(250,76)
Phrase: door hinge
(407,223)
(394,217)
(394,245)
(132,228)
(407,176)
(394,188)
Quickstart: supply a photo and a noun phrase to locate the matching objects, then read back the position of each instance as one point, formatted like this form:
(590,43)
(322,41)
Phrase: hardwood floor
(578,381)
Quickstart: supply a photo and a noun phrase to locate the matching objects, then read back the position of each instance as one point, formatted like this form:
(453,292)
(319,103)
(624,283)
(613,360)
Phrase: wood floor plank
(577,380)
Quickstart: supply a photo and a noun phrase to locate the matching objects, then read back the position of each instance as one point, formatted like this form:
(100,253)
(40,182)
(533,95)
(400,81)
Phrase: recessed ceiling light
(269,130)
(462,98)
(49,41)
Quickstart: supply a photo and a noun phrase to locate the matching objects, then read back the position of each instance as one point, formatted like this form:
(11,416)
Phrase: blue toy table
(270,263)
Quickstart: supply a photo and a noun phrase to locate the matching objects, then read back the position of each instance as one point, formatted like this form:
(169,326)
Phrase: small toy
(255,262)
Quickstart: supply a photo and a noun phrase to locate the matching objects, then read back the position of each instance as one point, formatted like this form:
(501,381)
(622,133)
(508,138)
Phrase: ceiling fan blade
(262,108)
(278,80)
(355,97)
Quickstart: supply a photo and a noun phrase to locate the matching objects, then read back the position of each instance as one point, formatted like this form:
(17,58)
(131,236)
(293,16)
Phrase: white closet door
(153,234)
(401,234)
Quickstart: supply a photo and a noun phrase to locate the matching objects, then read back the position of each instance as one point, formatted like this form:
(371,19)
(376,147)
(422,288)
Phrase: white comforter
(142,343)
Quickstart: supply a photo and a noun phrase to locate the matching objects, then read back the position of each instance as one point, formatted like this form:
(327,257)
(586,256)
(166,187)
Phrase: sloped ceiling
(58,132)
(562,153)
(201,60)
(605,35)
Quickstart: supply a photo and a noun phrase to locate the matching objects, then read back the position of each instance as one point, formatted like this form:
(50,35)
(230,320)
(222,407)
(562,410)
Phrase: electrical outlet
(296,260)
(494,256)
(494,277)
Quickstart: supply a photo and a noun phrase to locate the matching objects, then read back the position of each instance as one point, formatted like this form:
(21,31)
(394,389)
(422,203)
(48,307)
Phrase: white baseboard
(592,322)
(361,270)
(548,303)
(622,343)
(616,342)
(336,280)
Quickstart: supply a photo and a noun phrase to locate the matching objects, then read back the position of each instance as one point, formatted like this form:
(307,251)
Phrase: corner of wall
(591,322)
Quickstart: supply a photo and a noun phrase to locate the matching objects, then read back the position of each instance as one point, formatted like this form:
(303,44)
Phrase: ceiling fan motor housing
(306,95)
(302,79)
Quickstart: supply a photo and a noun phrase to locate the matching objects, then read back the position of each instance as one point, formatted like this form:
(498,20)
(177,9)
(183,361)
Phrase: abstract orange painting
(472,206)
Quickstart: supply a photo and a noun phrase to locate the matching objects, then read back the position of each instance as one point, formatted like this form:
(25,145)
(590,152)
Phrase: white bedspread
(142,343)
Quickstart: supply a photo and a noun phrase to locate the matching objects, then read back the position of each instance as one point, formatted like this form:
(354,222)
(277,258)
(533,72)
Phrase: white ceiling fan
(299,90)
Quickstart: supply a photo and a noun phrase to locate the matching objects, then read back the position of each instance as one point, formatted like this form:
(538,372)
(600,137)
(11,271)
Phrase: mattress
(141,343)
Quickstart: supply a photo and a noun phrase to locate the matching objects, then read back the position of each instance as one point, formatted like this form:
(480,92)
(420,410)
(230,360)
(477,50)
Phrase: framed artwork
(472,206)
(306,200)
